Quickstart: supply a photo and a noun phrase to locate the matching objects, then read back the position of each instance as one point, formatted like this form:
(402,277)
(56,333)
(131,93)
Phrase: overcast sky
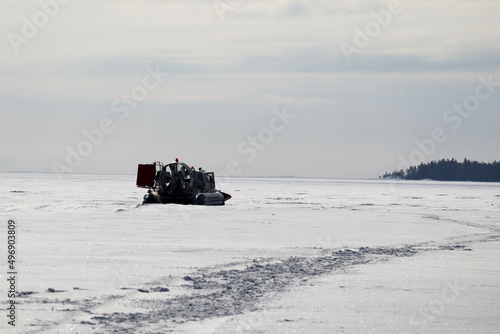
(341,89)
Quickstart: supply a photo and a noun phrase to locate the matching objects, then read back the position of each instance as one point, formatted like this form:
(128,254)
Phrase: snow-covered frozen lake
(282,256)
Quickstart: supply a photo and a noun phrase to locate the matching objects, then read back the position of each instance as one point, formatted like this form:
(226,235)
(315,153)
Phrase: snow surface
(282,256)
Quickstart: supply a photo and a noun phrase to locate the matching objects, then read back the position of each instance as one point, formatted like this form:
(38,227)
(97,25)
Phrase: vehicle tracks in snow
(221,293)
(235,289)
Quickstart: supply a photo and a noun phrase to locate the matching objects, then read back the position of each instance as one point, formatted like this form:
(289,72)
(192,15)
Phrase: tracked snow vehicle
(178,183)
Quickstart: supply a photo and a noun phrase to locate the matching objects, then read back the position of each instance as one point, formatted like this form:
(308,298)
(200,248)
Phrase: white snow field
(284,255)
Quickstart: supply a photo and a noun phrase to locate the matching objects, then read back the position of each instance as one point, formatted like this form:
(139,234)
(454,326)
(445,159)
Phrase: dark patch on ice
(455,247)
(154,289)
(24,293)
(433,217)
(288,200)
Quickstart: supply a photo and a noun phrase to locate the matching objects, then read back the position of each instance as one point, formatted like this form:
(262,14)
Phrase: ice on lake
(283,255)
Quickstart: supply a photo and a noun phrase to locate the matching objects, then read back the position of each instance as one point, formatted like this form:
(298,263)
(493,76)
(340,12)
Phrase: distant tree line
(451,170)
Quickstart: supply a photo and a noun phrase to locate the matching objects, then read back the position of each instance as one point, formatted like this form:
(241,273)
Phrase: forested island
(451,170)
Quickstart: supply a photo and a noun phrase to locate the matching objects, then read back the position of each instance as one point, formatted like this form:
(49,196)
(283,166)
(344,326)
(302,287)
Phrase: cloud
(7,163)
(294,9)
(227,76)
